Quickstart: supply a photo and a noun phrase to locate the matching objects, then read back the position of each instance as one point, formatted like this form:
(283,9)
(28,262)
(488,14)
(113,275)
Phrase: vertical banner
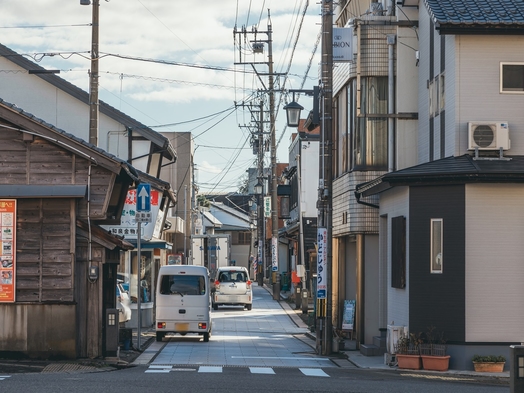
(274,254)
(321,263)
(7,250)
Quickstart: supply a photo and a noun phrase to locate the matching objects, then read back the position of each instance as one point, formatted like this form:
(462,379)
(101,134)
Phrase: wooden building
(63,265)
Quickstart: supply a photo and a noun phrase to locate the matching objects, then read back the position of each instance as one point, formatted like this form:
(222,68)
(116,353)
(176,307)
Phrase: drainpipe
(391,38)
(361,303)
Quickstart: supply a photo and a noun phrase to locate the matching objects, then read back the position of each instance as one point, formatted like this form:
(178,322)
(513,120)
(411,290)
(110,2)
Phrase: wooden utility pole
(93,76)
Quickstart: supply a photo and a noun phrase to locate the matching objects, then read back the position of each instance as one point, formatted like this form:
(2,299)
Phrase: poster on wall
(7,250)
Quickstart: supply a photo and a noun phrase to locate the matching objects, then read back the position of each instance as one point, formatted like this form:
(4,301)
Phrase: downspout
(391,38)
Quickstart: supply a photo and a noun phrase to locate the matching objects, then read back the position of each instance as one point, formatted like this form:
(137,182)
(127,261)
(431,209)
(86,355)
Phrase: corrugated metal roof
(476,16)
(72,137)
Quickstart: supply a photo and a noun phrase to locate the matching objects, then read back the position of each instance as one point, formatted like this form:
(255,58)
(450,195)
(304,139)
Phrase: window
(370,137)
(182,285)
(442,100)
(436,245)
(240,238)
(398,252)
(512,78)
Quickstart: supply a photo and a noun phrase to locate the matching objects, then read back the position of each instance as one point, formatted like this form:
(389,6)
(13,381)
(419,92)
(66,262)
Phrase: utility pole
(93,77)
(261,268)
(325,208)
(274,201)
(257,47)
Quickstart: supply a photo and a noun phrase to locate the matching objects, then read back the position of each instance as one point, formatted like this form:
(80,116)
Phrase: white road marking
(209,369)
(261,370)
(313,372)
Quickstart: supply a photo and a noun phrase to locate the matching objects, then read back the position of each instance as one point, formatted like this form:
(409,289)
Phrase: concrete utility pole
(325,208)
(257,47)
(274,183)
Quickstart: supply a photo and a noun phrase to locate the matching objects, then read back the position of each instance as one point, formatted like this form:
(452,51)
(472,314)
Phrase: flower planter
(435,363)
(410,362)
(489,367)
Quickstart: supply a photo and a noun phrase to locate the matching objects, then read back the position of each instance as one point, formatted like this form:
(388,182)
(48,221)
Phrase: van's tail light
(161,325)
(202,325)
(248,284)
(217,284)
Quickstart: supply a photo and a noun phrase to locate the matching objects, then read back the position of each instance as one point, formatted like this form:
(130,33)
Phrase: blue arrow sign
(143,198)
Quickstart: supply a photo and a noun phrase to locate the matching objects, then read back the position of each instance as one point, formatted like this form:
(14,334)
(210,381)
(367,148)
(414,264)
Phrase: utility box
(305,301)
(111,327)
(298,298)
(516,372)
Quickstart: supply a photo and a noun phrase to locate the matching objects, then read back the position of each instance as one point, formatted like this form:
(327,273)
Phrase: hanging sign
(7,250)
(342,44)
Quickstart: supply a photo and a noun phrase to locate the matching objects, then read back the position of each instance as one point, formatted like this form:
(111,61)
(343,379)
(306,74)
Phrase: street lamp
(259,188)
(293,110)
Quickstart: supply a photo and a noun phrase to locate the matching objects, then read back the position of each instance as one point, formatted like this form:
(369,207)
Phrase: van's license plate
(182,327)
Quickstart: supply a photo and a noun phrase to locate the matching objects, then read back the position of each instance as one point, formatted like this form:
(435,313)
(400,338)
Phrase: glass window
(436,245)
(371,133)
(511,78)
(182,285)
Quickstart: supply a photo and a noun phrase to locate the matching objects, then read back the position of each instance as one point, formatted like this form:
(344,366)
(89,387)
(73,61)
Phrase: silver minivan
(232,287)
(183,301)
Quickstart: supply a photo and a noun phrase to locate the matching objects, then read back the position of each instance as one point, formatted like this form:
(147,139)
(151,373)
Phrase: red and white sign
(7,250)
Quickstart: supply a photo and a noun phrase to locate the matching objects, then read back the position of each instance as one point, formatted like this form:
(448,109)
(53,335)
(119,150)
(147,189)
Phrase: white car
(232,287)
(123,302)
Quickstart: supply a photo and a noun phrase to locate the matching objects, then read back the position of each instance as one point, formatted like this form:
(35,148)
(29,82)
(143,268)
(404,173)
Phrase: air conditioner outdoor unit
(393,334)
(488,135)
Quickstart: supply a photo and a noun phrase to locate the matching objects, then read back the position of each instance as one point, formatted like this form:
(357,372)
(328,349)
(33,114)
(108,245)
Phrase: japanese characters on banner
(7,249)
(274,260)
(128,226)
(321,263)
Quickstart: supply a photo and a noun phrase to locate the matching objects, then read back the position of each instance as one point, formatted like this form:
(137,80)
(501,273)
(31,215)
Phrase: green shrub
(489,358)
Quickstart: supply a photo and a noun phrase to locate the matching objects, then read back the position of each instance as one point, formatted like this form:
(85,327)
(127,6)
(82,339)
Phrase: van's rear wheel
(249,306)
(159,336)
(206,337)
(215,306)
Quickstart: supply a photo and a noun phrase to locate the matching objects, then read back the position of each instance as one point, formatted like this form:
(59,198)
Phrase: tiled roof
(470,16)
(458,170)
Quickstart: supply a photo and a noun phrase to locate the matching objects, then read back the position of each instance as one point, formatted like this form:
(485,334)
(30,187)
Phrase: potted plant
(489,363)
(433,351)
(407,352)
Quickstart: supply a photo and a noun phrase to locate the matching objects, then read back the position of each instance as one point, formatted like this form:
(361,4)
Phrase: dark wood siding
(437,299)
(44,266)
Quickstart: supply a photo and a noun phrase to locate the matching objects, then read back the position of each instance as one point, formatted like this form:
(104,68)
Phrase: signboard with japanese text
(7,250)
(267,206)
(321,263)
(128,223)
(274,254)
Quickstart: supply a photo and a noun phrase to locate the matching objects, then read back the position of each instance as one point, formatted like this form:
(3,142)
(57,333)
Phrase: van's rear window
(182,285)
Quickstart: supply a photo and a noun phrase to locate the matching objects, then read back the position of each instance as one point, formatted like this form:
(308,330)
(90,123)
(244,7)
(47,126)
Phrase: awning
(150,244)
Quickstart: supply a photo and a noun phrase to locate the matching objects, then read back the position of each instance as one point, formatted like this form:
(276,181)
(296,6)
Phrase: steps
(378,348)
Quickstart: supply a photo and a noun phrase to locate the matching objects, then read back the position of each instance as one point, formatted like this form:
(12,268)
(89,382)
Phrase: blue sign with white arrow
(143,198)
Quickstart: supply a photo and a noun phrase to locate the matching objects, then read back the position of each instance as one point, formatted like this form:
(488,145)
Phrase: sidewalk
(376,362)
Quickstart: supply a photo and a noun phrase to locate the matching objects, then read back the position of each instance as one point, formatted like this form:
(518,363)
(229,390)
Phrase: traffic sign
(143,197)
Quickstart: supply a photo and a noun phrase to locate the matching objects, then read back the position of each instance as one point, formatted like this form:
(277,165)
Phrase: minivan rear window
(182,285)
(232,276)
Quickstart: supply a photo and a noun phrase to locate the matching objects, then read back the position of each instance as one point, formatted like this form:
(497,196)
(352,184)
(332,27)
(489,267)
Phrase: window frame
(436,250)
(501,76)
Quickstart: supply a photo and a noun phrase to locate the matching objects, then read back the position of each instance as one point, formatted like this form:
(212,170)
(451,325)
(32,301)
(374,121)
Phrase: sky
(174,66)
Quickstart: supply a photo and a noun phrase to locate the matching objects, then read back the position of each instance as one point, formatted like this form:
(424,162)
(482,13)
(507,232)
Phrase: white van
(183,301)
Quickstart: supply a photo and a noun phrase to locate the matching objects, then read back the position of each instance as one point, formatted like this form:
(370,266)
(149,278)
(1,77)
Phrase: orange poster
(7,250)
